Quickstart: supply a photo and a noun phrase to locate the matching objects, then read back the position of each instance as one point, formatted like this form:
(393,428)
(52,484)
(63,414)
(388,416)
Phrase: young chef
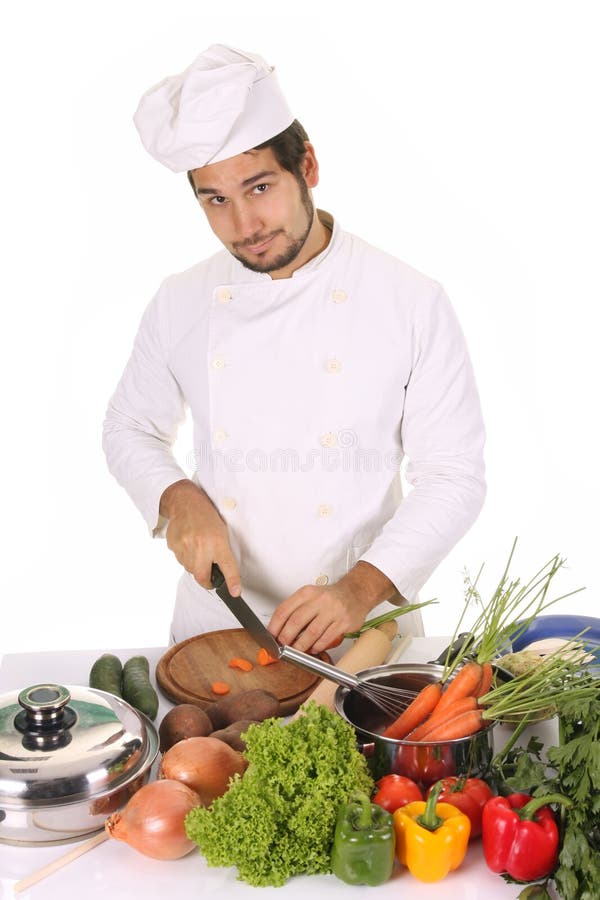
(311,363)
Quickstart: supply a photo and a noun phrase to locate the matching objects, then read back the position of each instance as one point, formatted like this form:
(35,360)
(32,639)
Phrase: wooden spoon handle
(61,861)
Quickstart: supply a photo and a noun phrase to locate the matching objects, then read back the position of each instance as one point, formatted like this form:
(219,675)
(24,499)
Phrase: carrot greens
(509,612)
(542,692)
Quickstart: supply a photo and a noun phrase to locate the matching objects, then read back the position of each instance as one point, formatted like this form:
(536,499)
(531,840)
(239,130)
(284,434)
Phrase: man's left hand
(314,618)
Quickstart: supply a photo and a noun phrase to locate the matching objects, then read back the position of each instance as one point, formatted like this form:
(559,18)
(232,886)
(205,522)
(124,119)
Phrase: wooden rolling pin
(370,649)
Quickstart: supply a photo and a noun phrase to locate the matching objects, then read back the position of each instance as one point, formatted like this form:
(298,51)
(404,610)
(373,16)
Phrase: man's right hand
(197,534)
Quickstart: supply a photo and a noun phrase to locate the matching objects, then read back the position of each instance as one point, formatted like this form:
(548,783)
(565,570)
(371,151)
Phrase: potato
(181,722)
(232,735)
(254,704)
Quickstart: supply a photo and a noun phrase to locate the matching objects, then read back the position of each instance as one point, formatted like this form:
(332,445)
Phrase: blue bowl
(566,627)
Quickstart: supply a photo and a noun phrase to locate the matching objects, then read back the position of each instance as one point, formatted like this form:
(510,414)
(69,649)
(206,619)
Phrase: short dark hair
(288,149)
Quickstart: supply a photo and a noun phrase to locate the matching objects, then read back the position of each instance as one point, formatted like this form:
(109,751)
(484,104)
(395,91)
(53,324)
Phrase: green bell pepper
(364,842)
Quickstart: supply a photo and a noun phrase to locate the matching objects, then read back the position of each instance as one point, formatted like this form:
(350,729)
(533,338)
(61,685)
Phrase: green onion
(388,616)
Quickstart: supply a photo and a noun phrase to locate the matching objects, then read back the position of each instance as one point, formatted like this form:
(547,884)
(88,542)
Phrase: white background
(460,136)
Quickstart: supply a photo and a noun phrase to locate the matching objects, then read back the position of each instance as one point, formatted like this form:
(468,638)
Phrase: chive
(389,616)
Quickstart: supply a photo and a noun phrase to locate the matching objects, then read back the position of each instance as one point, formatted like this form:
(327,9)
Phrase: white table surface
(114,870)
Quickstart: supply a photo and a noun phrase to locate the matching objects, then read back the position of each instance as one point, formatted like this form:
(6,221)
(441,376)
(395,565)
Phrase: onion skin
(205,764)
(153,821)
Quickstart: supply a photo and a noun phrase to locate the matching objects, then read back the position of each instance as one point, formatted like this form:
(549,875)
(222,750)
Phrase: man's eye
(217,201)
(261,188)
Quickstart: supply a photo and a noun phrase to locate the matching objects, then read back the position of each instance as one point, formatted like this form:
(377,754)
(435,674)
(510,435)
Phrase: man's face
(259,211)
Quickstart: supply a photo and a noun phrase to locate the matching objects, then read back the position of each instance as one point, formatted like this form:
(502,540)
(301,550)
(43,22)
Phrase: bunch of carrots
(445,712)
(464,700)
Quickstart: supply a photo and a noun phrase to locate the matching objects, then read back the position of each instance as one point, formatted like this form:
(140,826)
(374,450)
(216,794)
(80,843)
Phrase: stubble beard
(294,246)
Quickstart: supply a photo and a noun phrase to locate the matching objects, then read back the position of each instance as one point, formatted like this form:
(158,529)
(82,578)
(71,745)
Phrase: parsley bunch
(577,764)
(573,769)
(278,819)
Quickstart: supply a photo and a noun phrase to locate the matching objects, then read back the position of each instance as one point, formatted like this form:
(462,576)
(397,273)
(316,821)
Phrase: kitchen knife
(244,614)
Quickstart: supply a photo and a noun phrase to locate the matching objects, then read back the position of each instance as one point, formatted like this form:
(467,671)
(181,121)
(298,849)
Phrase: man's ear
(310,166)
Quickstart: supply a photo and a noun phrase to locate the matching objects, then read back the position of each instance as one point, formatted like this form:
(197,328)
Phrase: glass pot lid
(63,744)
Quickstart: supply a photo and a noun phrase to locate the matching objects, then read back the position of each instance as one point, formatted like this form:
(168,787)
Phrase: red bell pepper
(520,835)
(469,795)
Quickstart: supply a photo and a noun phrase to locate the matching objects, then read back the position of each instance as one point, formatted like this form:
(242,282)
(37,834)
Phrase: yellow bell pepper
(431,837)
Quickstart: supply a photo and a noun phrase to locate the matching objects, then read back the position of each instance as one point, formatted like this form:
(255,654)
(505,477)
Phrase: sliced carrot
(464,684)
(416,712)
(458,727)
(238,662)
(486,679)
(464,705)
(264,658)
(220,687)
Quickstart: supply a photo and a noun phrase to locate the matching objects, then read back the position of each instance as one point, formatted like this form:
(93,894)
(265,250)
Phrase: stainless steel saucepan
(69,756)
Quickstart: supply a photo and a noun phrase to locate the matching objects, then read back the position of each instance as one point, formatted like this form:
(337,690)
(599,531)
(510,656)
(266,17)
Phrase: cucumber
(137,688)
(105,674)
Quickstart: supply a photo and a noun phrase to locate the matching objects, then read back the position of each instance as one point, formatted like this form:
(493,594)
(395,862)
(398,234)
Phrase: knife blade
(245,616)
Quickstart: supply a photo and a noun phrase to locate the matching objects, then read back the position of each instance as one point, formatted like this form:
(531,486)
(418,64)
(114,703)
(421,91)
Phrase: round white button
(325,510)
(218,362)
(224,295)
(229,503)
(333,365)
(220,434)
(322,579)
(328,439)
(338,296)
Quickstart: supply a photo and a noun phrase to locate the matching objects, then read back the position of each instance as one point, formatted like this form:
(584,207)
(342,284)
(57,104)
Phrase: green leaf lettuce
(278,819)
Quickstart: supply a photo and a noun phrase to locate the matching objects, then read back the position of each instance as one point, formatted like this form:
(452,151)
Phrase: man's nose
(246,220)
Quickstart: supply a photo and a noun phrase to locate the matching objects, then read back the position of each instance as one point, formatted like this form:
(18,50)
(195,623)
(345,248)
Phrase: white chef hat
(226,102)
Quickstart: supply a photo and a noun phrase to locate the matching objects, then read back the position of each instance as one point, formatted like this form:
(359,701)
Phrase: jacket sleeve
(143,417)
(442,434)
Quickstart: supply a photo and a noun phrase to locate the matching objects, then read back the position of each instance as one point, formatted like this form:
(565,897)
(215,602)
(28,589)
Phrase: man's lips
(258,248)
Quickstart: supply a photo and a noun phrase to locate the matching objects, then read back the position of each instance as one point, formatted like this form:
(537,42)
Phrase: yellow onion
(153,821)
(205,764)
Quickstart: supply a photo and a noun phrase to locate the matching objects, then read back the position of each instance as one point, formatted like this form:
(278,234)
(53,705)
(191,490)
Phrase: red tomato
(395,791)
(469,795)
(424,764)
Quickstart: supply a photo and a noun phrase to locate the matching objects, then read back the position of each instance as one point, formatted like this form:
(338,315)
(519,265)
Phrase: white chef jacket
(305,393)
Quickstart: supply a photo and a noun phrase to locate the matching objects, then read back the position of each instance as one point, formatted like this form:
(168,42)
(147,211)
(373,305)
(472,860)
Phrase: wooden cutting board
(187,669)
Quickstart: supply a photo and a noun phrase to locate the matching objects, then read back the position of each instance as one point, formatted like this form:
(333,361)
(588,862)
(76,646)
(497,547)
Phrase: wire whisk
(392,700)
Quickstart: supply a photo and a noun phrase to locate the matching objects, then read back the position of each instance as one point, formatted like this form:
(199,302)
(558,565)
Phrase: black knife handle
(463,642)
(217,578)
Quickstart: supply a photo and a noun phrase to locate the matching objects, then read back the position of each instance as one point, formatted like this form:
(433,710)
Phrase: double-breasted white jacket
(306,394)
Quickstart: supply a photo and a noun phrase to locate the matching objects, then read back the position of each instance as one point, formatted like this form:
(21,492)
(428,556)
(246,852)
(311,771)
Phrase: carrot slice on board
(220,687)
(416,712)
(238,662)
(264,658)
